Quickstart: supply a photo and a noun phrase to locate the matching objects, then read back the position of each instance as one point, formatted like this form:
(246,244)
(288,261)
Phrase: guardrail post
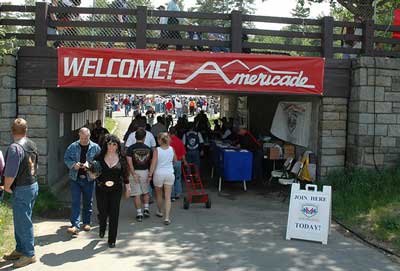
(327,37)
(41,24)
(368,38)
(141,26)
(236,31)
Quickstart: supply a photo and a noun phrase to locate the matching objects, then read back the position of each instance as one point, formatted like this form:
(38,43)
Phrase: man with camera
(76,158)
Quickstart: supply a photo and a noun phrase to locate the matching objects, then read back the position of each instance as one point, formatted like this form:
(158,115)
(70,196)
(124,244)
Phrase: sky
(278,8)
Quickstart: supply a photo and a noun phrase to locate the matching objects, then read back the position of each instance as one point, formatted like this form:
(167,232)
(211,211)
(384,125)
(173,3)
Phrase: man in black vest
(20,180)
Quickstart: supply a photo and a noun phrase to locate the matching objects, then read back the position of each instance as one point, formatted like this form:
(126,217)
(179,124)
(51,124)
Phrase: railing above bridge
(234,32)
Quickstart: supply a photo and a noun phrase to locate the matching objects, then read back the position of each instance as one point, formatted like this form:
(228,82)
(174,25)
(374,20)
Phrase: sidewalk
(242,231)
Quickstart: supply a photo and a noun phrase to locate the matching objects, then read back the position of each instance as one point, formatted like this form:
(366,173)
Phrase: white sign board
(309,213)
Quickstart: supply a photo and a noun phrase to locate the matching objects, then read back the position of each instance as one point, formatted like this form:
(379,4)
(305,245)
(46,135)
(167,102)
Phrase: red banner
(396,22)
(186,70)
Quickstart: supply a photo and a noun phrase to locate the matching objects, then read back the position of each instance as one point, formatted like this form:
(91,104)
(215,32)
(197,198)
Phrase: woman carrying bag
(111,171)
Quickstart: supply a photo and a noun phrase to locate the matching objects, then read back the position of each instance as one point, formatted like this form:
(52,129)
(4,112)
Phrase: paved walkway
(243,231)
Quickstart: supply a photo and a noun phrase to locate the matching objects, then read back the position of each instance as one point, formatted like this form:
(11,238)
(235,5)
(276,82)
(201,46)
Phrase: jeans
(158,108)
(193,157)
(23,201)
(127,110)
(179,112)
(84,188)
(177,187)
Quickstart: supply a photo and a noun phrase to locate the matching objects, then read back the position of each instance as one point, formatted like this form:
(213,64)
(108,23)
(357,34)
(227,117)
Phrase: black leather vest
(27,171)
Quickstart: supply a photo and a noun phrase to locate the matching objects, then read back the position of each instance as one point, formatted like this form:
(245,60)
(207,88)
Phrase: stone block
(383,81)
(388,141)
(330,116)
(32,92)
(10,60)
(377,129)
(8,95)
(365,62)
(326,100)
(333,142)
(383,107)
(8,82)
(24,100)
(394,130)
(396,83)
(351,139)
(362,93)
(332,160)
(32,109)
(326,133)
(358,106)
(5,124)
(8,71)
(36,121)
(358,128)
(338,132)
(360,77)
(43,160)
(385,72)
(39,100)
(392,96)
(387,63)
(333,125)
(37,132)
(379,94)
(41,144)
(364,141)
(370,159)
(386,118)
(8,110)
(343,116)
(328,151)
(339,101)
(42,170)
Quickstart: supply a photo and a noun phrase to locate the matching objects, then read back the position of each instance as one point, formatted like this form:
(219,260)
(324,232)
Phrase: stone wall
(332,135)
(8,97)
(32,106)
(374,113)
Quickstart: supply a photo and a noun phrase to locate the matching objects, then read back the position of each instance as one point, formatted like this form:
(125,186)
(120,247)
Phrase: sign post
(309,213)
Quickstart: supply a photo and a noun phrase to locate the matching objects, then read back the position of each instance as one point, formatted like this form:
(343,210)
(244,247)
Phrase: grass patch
(7,242)
(46,202)
(110,124)
(369,203)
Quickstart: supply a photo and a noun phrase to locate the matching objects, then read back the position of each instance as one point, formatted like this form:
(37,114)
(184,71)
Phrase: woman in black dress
(112,172)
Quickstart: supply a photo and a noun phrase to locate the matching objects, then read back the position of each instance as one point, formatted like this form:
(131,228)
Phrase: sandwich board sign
(309,213)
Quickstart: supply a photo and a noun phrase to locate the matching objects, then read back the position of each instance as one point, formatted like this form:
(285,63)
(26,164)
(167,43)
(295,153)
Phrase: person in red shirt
(180,152)
(168,106)
(127,105)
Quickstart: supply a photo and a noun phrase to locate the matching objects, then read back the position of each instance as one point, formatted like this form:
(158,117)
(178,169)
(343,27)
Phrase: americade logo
(309,210)
(267,78)
(164,70)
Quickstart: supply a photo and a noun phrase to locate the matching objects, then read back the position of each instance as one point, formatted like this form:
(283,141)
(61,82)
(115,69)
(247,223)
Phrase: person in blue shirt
(76,158)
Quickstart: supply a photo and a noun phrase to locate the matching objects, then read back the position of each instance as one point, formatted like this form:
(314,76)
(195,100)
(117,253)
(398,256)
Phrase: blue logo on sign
(309,210)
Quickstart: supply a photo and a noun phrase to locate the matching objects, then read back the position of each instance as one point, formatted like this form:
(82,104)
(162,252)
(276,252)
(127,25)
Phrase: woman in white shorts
(162,172)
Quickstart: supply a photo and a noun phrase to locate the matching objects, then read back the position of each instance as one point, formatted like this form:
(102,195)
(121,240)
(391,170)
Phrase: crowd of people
(146,167)
(177,105)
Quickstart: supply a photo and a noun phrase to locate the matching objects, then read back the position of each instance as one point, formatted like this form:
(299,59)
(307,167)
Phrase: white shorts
(160,179)
(143,186)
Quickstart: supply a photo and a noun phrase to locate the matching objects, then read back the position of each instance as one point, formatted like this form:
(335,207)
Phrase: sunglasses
(112,144)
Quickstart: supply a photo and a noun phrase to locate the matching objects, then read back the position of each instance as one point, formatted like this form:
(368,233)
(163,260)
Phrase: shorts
(142,187)
(160,179)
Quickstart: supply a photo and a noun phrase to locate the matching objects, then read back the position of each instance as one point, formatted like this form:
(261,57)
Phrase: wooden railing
(242,33)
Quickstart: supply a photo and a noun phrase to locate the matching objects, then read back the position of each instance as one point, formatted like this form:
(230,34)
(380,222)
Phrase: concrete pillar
(374,113)
(8,98)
